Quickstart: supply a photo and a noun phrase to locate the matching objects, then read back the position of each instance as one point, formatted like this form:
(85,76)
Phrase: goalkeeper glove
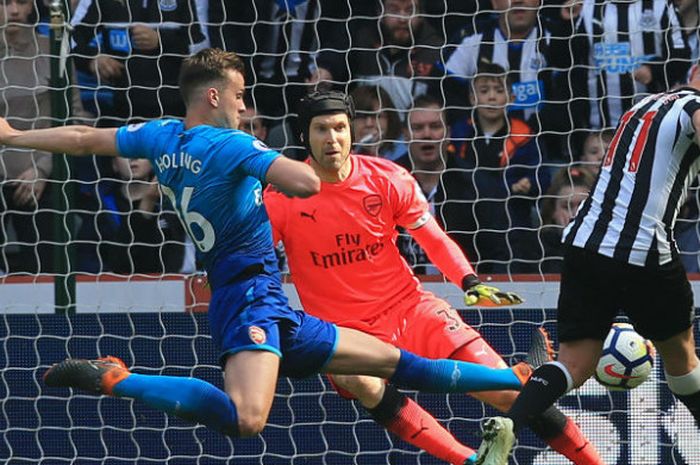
(476,293)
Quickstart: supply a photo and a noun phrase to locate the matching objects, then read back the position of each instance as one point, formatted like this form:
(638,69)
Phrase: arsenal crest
(372,204)
(257,335)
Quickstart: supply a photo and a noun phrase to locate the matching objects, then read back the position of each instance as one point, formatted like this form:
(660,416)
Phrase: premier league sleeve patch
(260,145)
(257,335)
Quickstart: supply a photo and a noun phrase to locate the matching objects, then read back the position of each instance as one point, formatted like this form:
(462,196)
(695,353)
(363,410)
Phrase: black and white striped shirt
(524,60)
(614,39)
(643,181)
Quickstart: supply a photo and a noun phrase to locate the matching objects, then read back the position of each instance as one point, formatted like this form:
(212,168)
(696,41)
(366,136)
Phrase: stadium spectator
(621,51)
(447,17)
(593,150)
(149,237)
(541,251)
(689,16)
(289,48)
(527,47)
(377,128)
(285,45)
(134,50)
(397,52)
(25,91)
(503,165)
(430,159)
(253,122)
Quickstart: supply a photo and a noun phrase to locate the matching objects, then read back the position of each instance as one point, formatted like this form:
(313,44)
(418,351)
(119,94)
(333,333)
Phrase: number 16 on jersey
(204,238)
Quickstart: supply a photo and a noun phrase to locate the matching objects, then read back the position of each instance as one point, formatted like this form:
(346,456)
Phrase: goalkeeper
(212,174)
(341,247)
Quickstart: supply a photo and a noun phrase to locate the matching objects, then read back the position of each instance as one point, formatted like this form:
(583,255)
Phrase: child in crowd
(502,161)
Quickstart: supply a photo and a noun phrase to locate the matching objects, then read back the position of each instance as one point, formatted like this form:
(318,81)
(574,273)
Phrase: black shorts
(595,288)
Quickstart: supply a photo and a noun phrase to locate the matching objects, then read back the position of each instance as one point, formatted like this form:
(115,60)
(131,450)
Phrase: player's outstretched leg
(402,416)
(540,352)
(552,380)
(682,369)
(358,353)
(552,426)
(444,375)
(188,398)
(95,376)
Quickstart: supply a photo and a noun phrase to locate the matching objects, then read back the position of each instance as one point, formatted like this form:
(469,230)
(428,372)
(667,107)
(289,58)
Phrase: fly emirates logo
(349,250)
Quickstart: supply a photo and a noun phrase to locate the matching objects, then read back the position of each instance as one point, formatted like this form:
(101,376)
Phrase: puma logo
(311,216)
(422,428)
(481,351)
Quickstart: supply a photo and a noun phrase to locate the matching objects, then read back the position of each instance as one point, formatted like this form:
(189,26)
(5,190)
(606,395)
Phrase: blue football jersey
(212,177)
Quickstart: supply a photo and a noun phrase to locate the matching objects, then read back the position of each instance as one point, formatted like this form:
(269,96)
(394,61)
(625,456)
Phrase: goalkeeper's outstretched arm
(450,259)
(441,249)
(72,140)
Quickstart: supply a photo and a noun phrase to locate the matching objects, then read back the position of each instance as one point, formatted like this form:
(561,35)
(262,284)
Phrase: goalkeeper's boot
(541,350)
(498,440)
(95,376)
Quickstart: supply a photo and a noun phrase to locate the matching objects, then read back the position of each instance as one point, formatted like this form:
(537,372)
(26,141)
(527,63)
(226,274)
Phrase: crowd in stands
(501,109)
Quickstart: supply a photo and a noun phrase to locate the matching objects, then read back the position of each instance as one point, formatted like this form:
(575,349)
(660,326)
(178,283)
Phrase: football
(627,359)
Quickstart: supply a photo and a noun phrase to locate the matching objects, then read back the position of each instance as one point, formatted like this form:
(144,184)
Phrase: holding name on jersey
(627,359)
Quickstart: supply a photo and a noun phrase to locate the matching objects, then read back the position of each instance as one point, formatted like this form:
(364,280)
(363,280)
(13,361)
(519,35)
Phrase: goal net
(95,262)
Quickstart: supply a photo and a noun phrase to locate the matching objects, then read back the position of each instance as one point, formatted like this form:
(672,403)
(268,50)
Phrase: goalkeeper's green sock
(419,373)
(188,398)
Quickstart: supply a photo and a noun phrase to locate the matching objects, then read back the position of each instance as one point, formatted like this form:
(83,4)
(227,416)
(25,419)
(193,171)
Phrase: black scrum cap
(323,103)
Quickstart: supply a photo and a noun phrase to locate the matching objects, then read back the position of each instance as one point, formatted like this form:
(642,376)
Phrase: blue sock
(472,460)
(426,375)
(188,398)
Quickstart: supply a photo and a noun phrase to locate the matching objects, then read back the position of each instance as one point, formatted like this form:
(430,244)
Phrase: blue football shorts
(254,314)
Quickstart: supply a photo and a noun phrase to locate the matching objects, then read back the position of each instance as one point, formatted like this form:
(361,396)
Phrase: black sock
(546,385)
(692,401)
(387,408)
(548,424)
